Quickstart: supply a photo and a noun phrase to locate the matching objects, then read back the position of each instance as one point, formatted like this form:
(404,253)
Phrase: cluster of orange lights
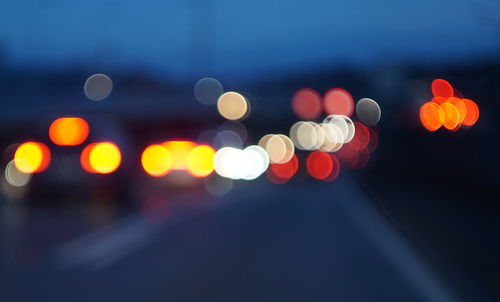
(98,157)
(159,159)
(447,109)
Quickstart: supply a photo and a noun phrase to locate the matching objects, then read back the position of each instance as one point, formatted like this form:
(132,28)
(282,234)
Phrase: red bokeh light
(441,88)
(322,166)
(306,104)
(281,173)
(338,101)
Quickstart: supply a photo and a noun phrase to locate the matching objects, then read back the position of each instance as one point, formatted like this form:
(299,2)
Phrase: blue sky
(244,38)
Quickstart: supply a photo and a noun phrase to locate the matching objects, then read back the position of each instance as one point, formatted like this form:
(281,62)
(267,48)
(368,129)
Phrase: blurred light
(259,161)
(68,131)
(439,99)
(361,138)
(227,162)
(246,164)
(460,105)
(156,160)
(441,88)
(373,144)
(306,104)
(207,91)
(235,127)
(32,157)
(456,110)
(216,185)
(179,152)
(344,123)
(368,111)
(14,177)
(333,137)
(322,166)
(472,114)
(363,157)
(263,141)
(320,133)
(279,148)
(338,101)
(431,116)
(232,106)
(282,172)
(451,116)
(98,87)
(305,136)
(101,158)
(200,161)
(207,137)
(227,138)
(84,158)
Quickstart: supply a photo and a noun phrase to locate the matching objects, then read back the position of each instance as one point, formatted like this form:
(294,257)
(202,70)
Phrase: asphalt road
(303,241)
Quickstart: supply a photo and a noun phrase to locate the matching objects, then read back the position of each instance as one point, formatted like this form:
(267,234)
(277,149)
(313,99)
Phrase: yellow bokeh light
(156,160)
(68,131)
(201,161)
(104,158)
(32,157)
(179,152)
(232,106)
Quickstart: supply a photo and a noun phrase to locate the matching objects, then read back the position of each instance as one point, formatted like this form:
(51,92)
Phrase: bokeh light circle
(32,157)
(156,160)
(200,161)
(207,91)
(333,137)
(14,177)
(306,104)
(368,111)
(472,114)
(431,116)
(282,172)
(319,165)
(68,131)
(441,88)
(101,158)
(232,106)
(279,148)
(98,87)
(338,101)
(451,116)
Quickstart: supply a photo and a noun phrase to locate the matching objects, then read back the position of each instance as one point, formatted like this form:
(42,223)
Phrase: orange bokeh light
(179,152)
(68,131)
(472,114)
(338,101)
(441,88)
(432,116)
(84,158)
(101,158)
(32,157)
(200,161)
(451,116)
(460,105)
(156,160)
(306,103)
